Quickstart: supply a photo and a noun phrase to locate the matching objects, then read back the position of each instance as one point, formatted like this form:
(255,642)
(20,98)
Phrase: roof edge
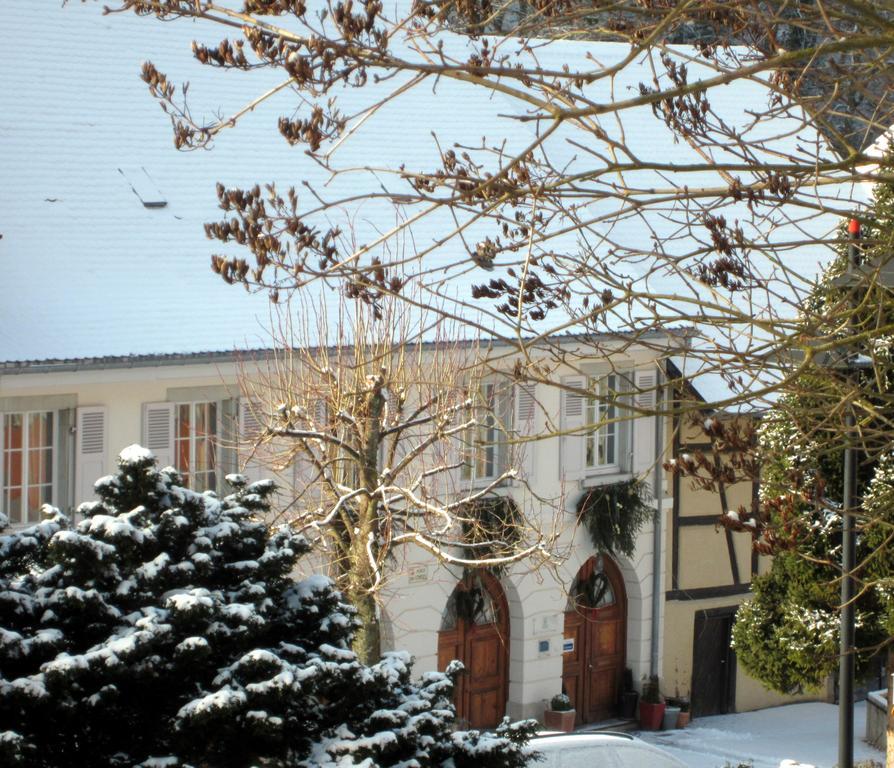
(74,364)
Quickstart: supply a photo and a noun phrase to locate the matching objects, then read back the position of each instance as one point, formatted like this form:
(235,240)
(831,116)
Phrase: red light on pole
(853,228)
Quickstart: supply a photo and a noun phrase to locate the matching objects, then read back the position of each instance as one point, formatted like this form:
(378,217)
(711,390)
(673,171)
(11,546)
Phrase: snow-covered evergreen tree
(164,629)
(788,634)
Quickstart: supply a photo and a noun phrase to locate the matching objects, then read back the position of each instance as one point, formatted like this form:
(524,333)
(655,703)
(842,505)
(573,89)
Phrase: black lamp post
(848,557)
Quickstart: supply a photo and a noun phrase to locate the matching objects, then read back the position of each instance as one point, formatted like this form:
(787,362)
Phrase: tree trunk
(889,737)
(360,579)
(367,644)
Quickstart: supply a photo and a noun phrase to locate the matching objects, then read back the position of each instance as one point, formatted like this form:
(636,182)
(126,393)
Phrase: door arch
(596,625)
(475,630)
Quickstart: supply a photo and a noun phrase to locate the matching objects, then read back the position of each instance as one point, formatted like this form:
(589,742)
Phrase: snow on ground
(805,733)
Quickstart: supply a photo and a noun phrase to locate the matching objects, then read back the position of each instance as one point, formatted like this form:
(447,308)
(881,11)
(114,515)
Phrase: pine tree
(165,629)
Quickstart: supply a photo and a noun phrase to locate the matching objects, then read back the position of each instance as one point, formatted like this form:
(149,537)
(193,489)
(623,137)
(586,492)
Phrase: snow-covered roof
(103,251)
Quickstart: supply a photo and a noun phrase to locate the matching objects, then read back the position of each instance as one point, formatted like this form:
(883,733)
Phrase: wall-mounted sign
(568,645)
(548,624)
(543,646)
(418,574)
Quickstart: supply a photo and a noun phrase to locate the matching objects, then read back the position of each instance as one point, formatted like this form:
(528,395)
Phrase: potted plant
(684,716)
(560,715)
(672,711)
(628,696)
(651,705)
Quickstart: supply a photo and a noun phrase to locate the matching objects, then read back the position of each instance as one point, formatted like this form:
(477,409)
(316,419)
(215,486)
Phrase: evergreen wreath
(614,514)
(472,602)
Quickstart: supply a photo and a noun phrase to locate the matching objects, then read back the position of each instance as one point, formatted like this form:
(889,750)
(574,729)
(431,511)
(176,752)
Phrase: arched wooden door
(596,625)
(475,630)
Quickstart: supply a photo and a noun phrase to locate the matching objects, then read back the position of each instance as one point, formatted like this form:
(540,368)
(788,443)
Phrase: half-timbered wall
(708,573)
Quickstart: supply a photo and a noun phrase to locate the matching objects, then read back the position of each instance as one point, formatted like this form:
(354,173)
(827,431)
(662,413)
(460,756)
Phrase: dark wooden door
(713,663)
(477,633)
(596,638)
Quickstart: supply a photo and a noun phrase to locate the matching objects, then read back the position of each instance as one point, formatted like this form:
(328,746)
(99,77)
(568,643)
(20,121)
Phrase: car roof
(550,741)
(588,736)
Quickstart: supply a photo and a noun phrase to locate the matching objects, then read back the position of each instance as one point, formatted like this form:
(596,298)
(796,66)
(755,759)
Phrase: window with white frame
(27,440)
(483,445)
(195,444)
(602,441)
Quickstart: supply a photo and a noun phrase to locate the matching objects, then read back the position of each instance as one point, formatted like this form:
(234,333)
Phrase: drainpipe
(657,528)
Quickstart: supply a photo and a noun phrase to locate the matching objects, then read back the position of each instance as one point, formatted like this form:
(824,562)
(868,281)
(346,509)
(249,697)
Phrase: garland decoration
(614,514)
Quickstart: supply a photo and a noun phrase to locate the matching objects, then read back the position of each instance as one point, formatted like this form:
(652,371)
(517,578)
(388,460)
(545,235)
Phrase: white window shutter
(249,430)
(158,431)
(571,464)
(643,430)
(249,426)
(645,390)
(92,445)
(525,412)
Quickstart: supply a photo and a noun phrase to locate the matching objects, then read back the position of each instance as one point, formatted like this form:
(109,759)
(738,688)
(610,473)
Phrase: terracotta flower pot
(651,715)
(683,719)
(559,721)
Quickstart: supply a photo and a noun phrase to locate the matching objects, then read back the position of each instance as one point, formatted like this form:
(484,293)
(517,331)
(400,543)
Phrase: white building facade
(63,423)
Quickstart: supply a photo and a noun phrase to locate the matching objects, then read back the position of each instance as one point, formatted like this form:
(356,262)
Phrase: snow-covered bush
(787,635)
(164,629)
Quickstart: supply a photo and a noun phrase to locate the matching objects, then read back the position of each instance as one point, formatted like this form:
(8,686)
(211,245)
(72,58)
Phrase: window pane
(39,430)
(211,449)
(12,431)
(206,429)
(484,612)
(201,418)
(12,468)
(183,420)
(38,495)
(48,430)
(34,502)
(466,468)
(183,456)
(592,417)
(181,440)
(201,464)
(39,466)
(211,421)
(13,454)
(14,505)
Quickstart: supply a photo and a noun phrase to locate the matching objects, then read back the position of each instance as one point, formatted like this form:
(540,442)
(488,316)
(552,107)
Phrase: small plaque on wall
(547,624)
(418,574)
(568,645)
